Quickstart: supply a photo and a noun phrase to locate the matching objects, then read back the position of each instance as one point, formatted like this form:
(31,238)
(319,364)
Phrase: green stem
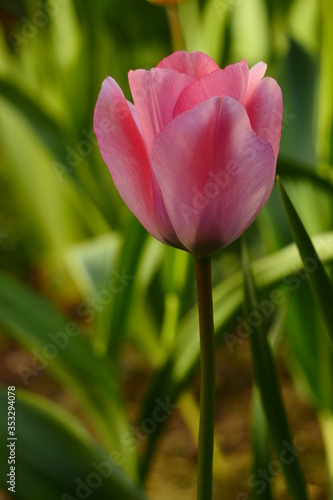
(207,388)
(175,28)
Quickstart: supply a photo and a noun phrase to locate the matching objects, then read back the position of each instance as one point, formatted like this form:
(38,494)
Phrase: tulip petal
(155,93)
(195,64)
(231,81)
(135,115)
(263,102)
(123,150)
(256,74)
(214,172)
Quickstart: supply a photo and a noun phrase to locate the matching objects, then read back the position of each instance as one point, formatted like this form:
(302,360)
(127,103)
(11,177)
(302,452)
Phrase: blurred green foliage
(66,234)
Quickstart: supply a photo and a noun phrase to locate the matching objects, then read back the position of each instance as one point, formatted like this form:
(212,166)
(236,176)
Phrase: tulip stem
(207,388)
(175,28)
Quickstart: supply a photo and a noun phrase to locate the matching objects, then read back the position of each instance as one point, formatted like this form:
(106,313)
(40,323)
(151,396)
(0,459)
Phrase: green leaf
(260,437)
(321,285)
(260,442)
(326,425)
(189,14)
(91,264)
(44,125)
(250,30)
(134,239)
(142,328)
(287,167)
(267,380)
(271,273)
(298,78)
(57,344)
(56,457)
(310,361)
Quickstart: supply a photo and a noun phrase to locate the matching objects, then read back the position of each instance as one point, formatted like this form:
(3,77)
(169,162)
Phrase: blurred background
(98,321)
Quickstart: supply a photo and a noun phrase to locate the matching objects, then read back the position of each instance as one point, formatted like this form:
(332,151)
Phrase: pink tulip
(194,158)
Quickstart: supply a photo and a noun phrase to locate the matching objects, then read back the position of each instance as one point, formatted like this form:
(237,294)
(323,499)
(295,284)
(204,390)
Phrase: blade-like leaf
(44,125)
(260,442)
(260,438)
(91,264)
(287,167)
(134,240)
(309,359)
(267,380)
(56,458)
(321,285)
(58,344)
(326,424)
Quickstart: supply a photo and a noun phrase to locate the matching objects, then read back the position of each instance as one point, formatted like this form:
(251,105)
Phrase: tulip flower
(194,158)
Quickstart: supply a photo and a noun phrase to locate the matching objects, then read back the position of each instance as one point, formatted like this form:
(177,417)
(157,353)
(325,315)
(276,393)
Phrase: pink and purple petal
(263,102)
(155,93)
(124,153)
(231,81)
(214,172)
(194,64)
